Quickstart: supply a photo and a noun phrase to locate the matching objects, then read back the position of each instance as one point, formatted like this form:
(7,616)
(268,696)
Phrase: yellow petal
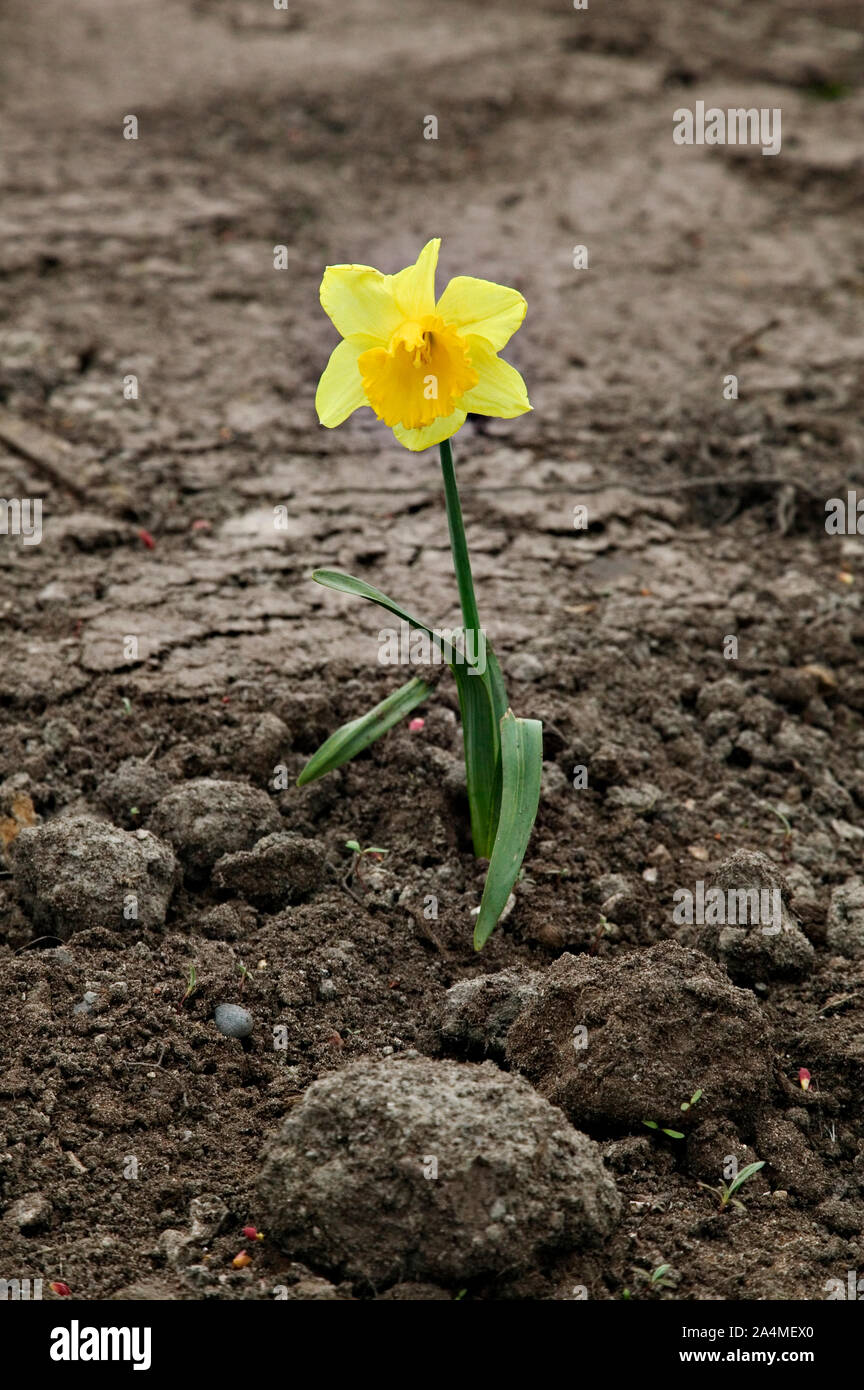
(424,438)
(359,299)
(480,307)
(500,389)
(340,390)
(414,287)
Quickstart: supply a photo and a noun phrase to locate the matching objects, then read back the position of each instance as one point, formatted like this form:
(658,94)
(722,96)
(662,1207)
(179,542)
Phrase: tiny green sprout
(127,705)
(602,928)
(134,811)
(784,820)
(191,985)
(726,1191)
(655,1278)
(370,849)
(243,972)
(356,870)
(827,89)
(688,1104)
(673,1133)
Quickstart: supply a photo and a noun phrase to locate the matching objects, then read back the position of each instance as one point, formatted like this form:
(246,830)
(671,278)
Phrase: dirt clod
(422,1169)
(764,941)
(82,873)
(477,1013)
(280,869)
(205,819)
(618,1042)
(844,930)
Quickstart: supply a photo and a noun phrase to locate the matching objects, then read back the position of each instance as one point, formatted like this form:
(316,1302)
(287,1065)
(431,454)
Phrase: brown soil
(155,257)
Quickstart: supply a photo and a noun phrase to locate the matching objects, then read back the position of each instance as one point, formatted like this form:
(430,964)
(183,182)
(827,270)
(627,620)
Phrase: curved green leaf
(347,584)
(482,700)
(521,767)
(482,757)
(352,738)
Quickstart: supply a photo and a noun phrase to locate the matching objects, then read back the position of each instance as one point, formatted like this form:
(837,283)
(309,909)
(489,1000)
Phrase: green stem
(459,545)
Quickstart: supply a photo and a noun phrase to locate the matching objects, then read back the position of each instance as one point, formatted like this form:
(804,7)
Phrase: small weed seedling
(725,1193)
(356,870)
(656,1279)
(685,1105)
(673,1133)
(603,927)
(191,986)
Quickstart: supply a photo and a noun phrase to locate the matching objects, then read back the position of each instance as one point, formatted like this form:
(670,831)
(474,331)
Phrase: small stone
(30,1213)
(173,1246)
(207,1215)
(233,1021)
(523,666)
(641,798)
(553,782)
(85,1005)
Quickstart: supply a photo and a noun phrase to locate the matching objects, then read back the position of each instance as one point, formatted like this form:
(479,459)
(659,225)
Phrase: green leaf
(745,1174)
(482,700)
(347,584)
(674,1133)
(521,767)
(482,758)
(500,703)
(482,712)
(353,737)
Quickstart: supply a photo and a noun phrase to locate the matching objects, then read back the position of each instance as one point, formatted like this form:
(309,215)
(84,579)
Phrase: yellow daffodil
(420,365)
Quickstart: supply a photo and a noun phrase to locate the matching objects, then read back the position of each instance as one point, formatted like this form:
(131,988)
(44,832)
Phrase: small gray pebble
(233,1021)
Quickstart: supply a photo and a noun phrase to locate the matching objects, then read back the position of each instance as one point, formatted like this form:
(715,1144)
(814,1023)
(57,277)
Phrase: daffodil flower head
(421,365)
